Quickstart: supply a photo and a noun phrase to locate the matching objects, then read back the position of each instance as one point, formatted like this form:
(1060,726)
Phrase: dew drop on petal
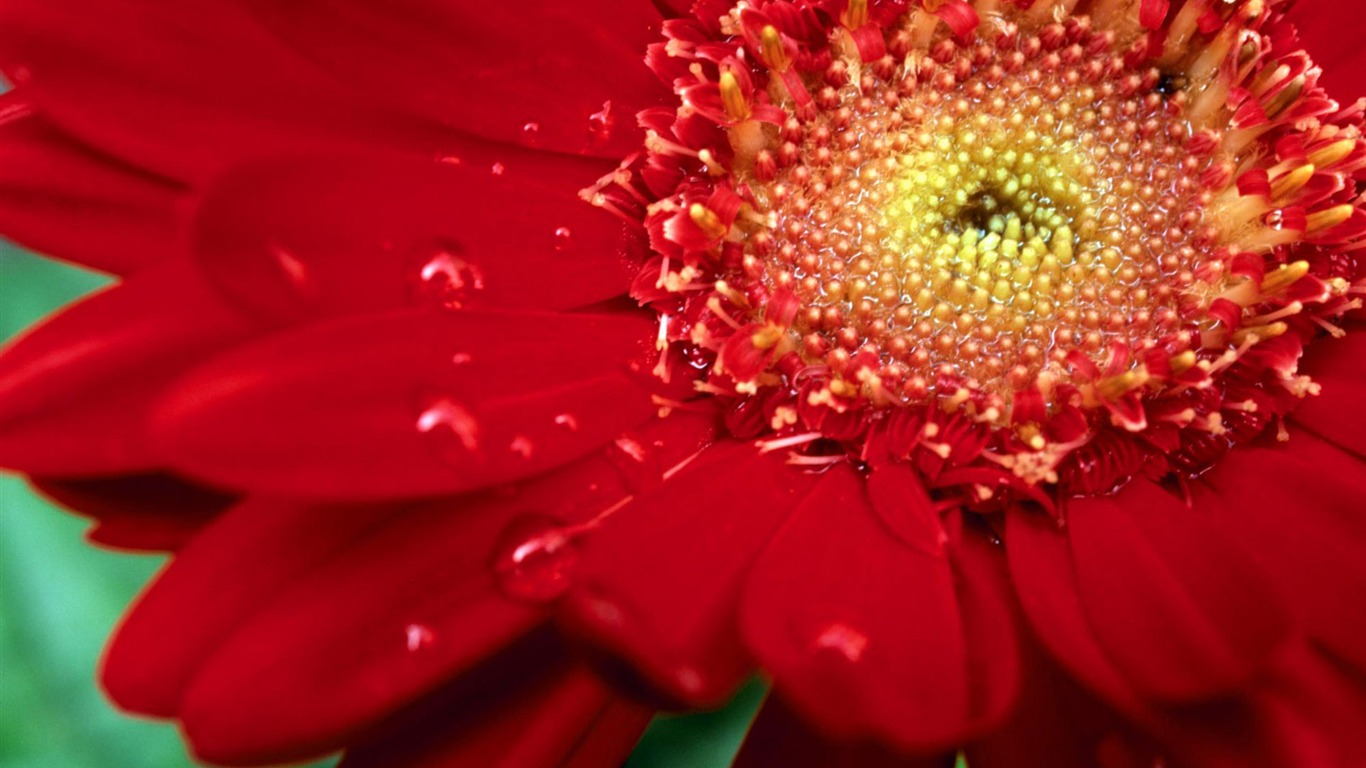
(450,426)
(498,169)
(443,277)
(633,463)
(522,446)
(292,267)
(689,679)
(417,637)
(563,239)
(531,134)
(842,639)
(632,448)
(462,358)
(535,559)
(569,421)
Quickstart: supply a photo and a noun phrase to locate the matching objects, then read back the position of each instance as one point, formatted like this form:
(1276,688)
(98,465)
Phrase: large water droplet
(450,426)
(842,639)
(531,134)
(564,239)
(292,267)
(632,448)
(522,446)
(445,278)
(416,637)
(535,559)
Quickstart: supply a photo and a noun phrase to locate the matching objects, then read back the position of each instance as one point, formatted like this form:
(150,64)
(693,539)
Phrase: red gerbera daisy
(982,372)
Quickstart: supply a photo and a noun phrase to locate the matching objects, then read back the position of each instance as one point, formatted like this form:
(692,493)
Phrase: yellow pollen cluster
(985,227)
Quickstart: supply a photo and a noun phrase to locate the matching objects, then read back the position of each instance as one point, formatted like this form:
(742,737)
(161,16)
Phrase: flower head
(982,372)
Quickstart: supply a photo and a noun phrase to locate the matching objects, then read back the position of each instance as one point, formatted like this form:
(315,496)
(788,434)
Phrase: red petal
(613,737)
(1297,510)
(191,608)
(1180,608)
(540,717)
(307,557)
(407,404)
(1339,367)
(905,508)
(66,201)
(863,634)
(1047,588)
(780,738)
(1308,712)
(138,512)
(530,74)
(1055,723)
(395,628)
(674,8)
(400,627)
(1339,54)
(75,391)
(990,631)
(661,579)
(202,87)
(303,237)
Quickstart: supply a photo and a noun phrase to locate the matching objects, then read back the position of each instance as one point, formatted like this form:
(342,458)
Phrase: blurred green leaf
(59,598)
(707,740)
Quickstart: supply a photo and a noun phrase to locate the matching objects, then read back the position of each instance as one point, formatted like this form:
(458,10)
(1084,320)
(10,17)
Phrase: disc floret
(991,240)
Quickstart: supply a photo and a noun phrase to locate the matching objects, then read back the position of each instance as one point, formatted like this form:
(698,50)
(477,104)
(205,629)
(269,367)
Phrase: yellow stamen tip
(1290,183)
(1328,218)
(772,44)
(706,220)
(857,13)
(1285,276)
(767,337)
(732,98)
(1333,153)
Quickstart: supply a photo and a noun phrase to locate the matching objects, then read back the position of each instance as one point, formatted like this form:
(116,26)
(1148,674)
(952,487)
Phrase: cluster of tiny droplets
(986,225)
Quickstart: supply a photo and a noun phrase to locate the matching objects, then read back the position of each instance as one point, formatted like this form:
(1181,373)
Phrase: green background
(59,598)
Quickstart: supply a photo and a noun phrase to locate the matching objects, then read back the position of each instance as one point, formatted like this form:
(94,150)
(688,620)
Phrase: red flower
(977,384)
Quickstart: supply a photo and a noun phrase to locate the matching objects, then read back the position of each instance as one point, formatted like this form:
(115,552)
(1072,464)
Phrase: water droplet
(600,124)
(521,445)
(446,159)
(292,267)
(531,134)
(563,239)
(689,679)
(498,169)
(418,636)
(451,425)
(462,358)
(535,559)
(631,447)
(445,278)
(568,421)
(842,639)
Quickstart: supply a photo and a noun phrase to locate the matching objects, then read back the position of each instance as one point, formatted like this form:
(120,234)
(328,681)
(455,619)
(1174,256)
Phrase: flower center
(1014,244)
(976,221)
